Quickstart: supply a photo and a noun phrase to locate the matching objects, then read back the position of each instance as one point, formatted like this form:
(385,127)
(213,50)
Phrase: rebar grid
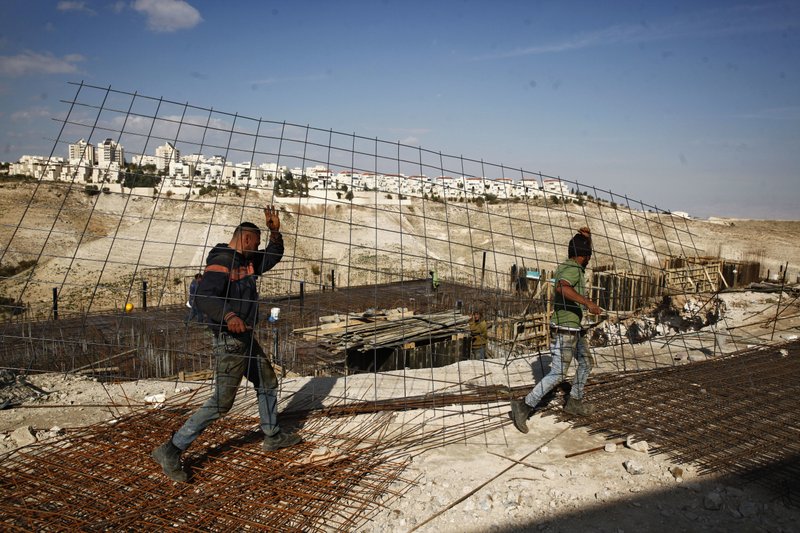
(102,477)
(736,414)
(354,453)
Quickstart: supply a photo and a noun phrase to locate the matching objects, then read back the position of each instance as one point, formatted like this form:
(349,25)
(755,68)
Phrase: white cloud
(75,6)
(30,114)
(29,62)
(707,23)
(168,15)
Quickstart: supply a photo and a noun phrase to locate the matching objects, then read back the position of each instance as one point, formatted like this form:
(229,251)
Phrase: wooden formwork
(741,273)
(619,290)
(532,330)
(692,275)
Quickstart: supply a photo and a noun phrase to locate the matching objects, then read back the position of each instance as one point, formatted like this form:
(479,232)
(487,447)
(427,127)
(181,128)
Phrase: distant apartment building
(40,167)
(109,151)
(502,187)
(82,153)
(556,187)
(166,154)
(82,159)
(143,160)
(529,188)
(474,186)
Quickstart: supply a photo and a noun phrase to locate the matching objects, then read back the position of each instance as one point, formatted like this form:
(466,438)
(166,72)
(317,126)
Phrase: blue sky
(691,106)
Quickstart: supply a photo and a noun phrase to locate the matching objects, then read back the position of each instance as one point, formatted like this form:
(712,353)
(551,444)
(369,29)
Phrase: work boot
(169,457)
(578,407)
(520,411)
(280,440)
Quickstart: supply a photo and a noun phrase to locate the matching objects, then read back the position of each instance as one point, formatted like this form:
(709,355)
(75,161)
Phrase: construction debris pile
(15,389)
(673,315)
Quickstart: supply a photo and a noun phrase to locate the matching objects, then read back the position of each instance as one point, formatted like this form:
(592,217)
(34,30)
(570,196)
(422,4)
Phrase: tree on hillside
(137,179)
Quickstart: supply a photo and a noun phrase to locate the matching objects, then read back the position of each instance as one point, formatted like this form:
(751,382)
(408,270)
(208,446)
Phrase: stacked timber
(386,329)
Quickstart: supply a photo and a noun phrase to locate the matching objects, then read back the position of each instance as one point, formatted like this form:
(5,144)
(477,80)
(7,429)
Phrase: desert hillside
(96,249)
(452,463)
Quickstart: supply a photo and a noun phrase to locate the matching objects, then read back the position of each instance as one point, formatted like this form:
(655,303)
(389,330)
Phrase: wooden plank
(200,375)
(101,370)
(719,272)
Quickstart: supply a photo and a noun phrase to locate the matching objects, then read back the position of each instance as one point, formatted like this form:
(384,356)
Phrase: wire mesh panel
(388,250)
(138,189)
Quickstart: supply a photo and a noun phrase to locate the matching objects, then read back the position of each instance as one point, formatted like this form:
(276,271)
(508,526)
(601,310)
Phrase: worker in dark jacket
(228,296)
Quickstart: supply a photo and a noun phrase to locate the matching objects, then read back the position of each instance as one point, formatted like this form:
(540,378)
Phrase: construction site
(366,321)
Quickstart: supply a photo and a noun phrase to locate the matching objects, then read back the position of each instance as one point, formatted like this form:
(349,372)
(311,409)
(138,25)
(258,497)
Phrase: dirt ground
(555,478)
(502,481)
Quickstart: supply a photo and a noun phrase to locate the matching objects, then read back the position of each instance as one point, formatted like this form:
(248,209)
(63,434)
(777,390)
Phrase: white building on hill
(166,154)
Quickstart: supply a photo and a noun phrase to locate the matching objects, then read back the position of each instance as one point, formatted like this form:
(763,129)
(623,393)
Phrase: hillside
(464,466)
(96,249)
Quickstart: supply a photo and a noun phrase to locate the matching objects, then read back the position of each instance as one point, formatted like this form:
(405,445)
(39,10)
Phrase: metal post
(302,290)
(780,296)
(483,268)
(277,359)
(273,319)
(55,303)
(144,295)
(333,280)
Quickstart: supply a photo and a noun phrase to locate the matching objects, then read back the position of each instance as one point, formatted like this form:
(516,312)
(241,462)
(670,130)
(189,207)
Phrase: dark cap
(579,246)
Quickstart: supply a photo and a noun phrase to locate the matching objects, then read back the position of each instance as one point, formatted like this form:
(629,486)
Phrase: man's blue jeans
(564,346)
(479,353)
(236,356)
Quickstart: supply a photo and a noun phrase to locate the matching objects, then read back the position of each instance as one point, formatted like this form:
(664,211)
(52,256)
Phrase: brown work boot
(520,411)
(280,440)
(578,407)
(169,457)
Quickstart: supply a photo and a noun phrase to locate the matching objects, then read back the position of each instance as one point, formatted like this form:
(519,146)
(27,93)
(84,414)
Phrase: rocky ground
(555,478)
(503,481)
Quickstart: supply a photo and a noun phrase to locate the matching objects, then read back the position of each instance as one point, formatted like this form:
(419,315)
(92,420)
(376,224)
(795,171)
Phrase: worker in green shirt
(567,338)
